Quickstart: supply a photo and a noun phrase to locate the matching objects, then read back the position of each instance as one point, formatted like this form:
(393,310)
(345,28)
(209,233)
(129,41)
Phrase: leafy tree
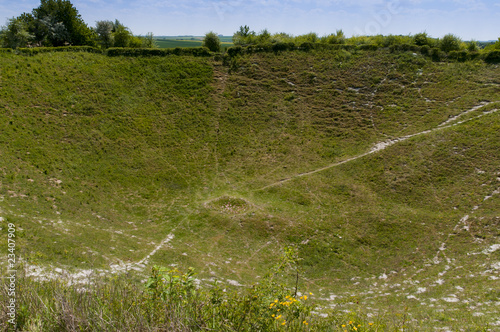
(122,35)
(104,30)
(148,41)
(421,39)
(243,36)
(281,37)
(212,42)
(472,46)
(337,38)
(449,43)
(15,34)
(264,37)
(57,22)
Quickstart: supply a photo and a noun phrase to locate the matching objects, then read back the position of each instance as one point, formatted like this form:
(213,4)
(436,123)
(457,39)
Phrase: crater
(229,205)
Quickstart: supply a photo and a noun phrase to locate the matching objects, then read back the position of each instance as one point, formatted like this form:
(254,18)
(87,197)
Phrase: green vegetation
(121,163)
(212,42)
(58,23)
(186,42)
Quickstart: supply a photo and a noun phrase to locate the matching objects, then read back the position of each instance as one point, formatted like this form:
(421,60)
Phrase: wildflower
(305,297)
(343,325)
(311,293)
(272,315)
(277,317)
(284,322)
(355,328)
(305,323)
(370,324)
(350,322)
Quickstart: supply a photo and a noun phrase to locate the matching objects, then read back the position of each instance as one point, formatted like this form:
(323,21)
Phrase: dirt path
(383,145)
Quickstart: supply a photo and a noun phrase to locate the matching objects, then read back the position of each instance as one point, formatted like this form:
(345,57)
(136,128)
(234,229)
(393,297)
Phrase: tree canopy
(58,23)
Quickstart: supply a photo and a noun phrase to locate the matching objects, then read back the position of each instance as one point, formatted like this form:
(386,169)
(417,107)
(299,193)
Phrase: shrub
(212,41)
(234,51)
(337,38)
(194,51)
(367,47)
(104,31)
(425,49)
(449,43)
(15,34)
(421,39)
(461,56)
(243,36)
(37,50)
(436,54)
(492,57)
(472,46)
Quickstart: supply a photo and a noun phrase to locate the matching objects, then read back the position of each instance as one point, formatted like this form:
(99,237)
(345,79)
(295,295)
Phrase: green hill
(381,168)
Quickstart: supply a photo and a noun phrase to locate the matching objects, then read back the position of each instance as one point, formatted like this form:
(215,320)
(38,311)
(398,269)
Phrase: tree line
(58,23)
(448,43)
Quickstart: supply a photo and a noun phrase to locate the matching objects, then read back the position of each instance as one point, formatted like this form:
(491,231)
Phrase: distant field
(189,41)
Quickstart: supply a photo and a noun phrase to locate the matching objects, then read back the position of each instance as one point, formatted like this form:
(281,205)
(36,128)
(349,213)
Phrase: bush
(421,39)
(367,47)
(234,51)
(436,54)
(405,48)
(425,49)
(194,51)
(212,41)
(306,46)
(461,56)
(277,47)
(37,50)
(449,43)
(337,38)
(492,57)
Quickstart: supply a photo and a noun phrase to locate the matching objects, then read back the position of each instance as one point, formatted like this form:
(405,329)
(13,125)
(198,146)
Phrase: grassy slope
(110,155)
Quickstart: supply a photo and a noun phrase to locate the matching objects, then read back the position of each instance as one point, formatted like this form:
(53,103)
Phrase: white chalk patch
(421,290)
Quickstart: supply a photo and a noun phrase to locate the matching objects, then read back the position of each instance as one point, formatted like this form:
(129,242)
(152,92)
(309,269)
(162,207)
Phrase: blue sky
(469,19)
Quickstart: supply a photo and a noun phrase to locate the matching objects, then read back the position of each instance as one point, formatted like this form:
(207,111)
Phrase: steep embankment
(368,162)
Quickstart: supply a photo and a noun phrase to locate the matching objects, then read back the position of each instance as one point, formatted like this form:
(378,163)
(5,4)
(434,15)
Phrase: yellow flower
(278,317)
(284,322)
(272,315)
(311,293)
(355,328)
(370,324)
(305,297)
(305,323)
(350,322)
(343,325)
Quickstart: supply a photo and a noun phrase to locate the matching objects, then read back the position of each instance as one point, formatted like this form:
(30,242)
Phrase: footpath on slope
(383,145)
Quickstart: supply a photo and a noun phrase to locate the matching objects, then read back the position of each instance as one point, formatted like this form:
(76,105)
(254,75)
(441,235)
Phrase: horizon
(469,20)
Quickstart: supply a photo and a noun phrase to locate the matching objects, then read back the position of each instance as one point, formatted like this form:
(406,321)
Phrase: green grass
(104,158)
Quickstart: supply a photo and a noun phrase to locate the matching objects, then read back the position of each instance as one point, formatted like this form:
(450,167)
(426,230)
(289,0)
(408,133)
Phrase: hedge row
(194,51)
(435,53)
(37,50)
(279,47)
